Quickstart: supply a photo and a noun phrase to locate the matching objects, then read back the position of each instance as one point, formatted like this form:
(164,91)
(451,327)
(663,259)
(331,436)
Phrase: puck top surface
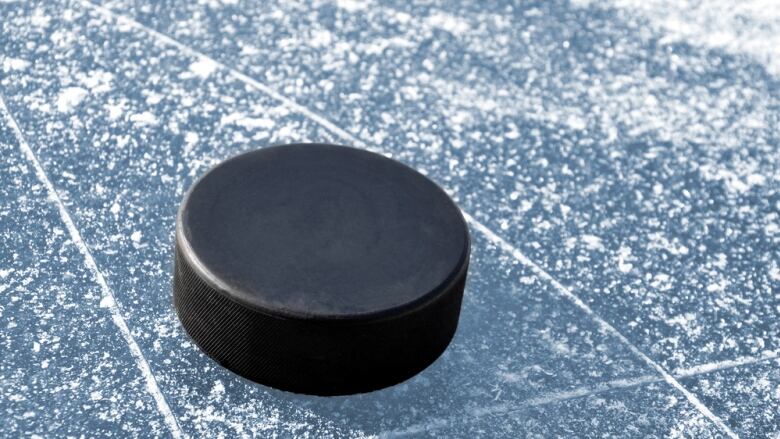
(322,231)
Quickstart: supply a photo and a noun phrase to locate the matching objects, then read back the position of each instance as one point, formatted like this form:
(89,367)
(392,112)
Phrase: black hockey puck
(319,269)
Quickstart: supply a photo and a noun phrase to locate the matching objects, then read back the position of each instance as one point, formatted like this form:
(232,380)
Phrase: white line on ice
(108,296)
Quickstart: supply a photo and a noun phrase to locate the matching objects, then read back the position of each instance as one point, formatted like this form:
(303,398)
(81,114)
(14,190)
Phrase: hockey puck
(319,269)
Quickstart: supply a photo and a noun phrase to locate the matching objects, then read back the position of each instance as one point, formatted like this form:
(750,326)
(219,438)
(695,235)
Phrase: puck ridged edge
(308,355)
